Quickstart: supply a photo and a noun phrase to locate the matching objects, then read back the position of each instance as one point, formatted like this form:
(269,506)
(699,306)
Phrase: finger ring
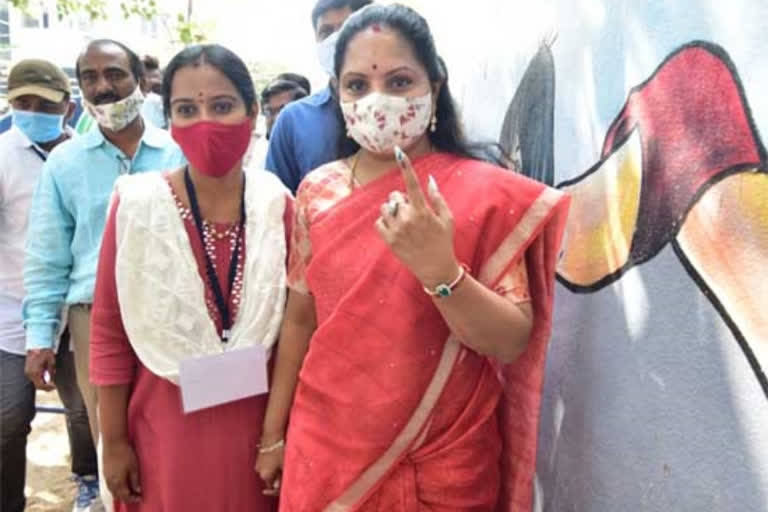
(392,206)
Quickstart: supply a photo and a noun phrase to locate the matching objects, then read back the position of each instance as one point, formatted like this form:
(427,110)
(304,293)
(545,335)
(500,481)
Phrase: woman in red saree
(412,352)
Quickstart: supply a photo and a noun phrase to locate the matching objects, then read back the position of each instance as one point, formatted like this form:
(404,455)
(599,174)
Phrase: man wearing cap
(39,95)
(69,208)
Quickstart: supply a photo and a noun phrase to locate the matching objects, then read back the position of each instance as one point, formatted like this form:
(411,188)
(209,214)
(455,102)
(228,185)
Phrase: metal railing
(49,409)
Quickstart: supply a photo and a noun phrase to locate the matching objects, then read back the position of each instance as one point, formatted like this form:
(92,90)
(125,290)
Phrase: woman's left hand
(269,466)
(419,231)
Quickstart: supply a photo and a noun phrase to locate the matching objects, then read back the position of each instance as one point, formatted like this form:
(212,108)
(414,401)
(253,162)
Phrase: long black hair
(448,136)
(219,57)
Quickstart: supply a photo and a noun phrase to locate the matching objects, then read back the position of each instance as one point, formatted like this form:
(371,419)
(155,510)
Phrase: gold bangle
(273,447)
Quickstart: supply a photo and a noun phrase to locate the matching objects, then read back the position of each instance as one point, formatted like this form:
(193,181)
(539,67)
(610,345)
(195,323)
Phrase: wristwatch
(444,290)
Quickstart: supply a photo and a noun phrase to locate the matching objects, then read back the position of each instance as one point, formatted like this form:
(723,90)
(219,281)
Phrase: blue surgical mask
(39,127)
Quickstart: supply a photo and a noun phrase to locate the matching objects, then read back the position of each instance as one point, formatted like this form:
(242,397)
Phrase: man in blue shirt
(274,98)
(306,133)
(69,208)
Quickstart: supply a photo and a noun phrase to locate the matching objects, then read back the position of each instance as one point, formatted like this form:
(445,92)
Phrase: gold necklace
(353,167)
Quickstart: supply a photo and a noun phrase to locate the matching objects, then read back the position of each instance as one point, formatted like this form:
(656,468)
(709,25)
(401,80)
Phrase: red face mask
(213,148)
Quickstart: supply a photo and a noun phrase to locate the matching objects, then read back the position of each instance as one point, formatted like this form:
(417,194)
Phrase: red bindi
(375,66)
(376,27)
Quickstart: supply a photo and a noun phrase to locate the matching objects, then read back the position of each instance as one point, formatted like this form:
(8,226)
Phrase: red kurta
(187,462)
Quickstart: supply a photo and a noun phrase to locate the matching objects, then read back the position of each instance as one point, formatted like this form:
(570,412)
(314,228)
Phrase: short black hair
(279,86)
(137,68)
(323,6)
(299,79)
(150,63)
(221,58)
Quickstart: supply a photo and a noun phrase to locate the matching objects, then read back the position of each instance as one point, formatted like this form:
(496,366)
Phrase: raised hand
(419,229)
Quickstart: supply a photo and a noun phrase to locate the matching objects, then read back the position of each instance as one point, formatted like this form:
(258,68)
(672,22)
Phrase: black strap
(221,304)
(39,153)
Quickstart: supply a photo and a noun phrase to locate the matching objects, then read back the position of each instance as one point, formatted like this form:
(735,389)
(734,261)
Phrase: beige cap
(39,78)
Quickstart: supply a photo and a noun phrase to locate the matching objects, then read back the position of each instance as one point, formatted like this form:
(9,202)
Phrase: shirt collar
(326,94)
(93,138)
(21,139)
(152,136)
(321,97)
(24,142)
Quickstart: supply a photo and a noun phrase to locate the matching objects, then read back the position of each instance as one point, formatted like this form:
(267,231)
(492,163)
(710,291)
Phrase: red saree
(391,412)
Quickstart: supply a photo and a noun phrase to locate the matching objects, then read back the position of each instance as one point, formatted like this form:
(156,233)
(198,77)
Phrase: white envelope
(220,378)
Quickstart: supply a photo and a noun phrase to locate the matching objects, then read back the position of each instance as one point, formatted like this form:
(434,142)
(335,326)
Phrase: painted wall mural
(650,115)
(680,160)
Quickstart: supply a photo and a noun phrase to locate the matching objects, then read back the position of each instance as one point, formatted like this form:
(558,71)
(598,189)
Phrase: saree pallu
(391,411)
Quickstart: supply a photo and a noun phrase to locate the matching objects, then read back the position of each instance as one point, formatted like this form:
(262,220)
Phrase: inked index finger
(412,185)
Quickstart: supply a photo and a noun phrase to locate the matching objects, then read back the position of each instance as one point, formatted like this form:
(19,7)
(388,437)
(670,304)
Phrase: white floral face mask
(379,122)
(116,116)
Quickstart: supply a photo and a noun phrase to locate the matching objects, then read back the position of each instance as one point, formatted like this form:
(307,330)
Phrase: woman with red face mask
(190,293)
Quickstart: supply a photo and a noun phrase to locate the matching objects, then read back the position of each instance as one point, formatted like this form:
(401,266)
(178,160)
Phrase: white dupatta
(161,293)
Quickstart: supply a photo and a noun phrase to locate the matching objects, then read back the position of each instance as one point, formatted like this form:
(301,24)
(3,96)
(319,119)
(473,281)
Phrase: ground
(48,486)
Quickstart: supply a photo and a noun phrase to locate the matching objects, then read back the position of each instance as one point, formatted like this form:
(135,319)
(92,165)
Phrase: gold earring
(433,124)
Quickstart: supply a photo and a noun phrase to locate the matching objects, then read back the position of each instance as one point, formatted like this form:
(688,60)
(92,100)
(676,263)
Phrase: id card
(221,378)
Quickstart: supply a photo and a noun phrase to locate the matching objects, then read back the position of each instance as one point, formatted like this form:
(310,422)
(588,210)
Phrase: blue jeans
(17,410)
